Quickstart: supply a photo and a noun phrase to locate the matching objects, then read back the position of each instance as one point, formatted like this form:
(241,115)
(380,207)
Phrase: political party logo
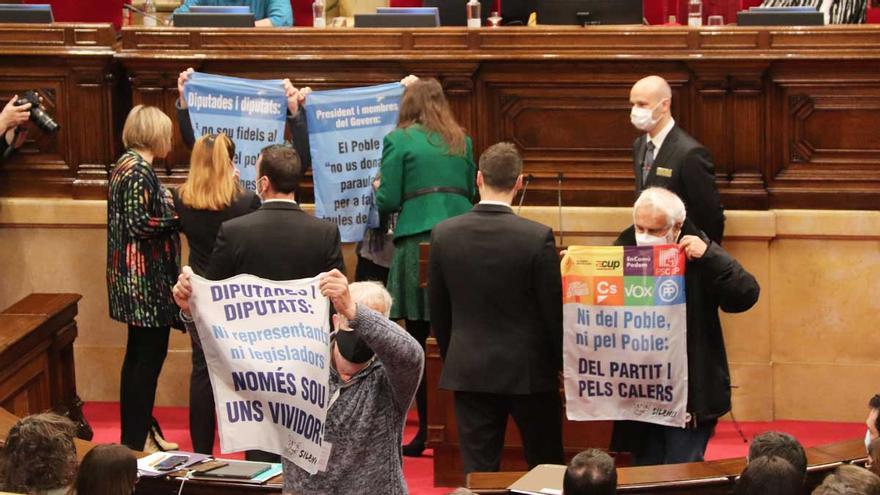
(638,291)
(669,291)
(608,291)
(668,260)
(577,289)
(638,260)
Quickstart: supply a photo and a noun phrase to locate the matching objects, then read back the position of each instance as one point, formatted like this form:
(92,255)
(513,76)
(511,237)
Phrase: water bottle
(150,8)
(695,13)
(473,14)
(318,20)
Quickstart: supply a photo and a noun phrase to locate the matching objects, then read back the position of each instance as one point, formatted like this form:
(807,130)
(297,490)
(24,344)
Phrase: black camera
(38,115)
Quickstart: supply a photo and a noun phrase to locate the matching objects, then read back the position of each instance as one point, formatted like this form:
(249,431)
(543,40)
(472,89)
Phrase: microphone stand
(522,198)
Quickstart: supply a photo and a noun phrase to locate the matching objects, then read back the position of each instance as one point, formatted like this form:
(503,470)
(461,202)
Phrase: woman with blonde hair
(427,174)
(211,195)
(143,260)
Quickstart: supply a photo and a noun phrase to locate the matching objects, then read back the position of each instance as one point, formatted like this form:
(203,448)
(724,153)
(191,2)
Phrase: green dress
(414,160)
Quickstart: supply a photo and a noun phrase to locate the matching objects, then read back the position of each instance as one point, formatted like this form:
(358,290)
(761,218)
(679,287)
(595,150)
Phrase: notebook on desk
(544,479)
(242,472)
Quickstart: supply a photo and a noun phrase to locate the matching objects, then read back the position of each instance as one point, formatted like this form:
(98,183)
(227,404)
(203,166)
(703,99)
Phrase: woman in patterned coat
(143,260)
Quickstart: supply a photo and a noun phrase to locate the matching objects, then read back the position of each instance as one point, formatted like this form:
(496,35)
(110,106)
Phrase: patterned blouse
(143,246)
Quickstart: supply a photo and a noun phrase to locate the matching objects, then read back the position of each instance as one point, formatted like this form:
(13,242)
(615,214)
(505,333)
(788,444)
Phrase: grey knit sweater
(365,424)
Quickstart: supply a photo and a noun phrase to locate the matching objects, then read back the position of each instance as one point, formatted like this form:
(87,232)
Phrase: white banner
(267,345)
(625,334)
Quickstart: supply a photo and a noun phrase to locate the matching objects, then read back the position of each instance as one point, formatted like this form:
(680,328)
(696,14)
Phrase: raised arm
(400,354)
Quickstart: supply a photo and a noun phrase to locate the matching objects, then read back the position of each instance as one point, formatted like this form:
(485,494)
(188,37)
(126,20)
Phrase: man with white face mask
(713,279)
(666,156)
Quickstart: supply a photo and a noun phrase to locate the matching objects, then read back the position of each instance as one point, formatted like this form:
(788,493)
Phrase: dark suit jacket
(692,178)
(495,294)
(201,226)
(277,242)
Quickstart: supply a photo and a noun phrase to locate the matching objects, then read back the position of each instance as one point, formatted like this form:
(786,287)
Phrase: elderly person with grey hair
(713,279)
(375,371)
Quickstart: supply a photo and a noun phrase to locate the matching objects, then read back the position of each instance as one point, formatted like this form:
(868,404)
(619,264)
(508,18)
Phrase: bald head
(653,93)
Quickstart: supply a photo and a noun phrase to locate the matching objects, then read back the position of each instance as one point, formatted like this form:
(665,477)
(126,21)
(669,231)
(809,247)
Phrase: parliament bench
(695,478)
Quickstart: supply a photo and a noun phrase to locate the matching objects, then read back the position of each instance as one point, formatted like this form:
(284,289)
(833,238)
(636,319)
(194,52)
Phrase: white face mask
(643,118)
(646,239)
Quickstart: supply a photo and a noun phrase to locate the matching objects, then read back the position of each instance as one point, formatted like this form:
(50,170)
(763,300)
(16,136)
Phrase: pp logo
(667,291)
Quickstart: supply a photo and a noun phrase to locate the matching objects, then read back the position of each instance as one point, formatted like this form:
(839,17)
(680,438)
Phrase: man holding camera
(12,118)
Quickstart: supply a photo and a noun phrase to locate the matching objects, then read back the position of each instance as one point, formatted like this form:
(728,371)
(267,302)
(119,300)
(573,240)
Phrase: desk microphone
(528,178)
(163,22)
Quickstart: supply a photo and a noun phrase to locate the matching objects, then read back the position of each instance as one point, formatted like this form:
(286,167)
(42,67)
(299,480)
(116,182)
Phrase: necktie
(648,162)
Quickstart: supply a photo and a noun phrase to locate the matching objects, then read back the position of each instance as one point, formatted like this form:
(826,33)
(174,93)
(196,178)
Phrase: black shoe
(414,449)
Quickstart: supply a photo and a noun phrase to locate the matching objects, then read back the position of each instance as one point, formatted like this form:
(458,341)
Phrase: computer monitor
(585,12)
(395,20)
(453,12)
(220,9)
(410,10)
(38,13)
(200,19)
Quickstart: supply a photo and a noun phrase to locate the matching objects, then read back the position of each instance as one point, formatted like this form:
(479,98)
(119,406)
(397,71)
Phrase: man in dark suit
(666,156)
(279,241)
(496,308)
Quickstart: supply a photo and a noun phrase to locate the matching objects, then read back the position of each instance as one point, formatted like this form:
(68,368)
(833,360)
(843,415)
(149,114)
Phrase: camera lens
(43,120)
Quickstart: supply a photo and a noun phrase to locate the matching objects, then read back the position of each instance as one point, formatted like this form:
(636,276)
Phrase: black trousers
(145,353)
(202,413)
(420,330)
(482,420)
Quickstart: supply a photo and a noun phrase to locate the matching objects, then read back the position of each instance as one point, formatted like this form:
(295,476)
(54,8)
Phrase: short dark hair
(591,472)
(107,470)
(39,454)
(280,164)
(848,479)
(500,165)
(779,444)
(874,403)
(769,475)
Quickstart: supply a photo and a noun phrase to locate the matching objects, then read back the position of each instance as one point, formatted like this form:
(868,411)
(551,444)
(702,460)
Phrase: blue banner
(252,113)
(346,129)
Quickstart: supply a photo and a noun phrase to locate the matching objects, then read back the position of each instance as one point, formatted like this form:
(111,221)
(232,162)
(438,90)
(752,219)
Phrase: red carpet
(419,472)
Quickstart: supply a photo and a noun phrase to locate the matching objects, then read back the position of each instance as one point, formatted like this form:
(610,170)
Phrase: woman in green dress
(427,175)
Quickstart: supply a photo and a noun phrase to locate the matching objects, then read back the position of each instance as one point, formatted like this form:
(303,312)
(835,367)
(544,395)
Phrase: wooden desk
(760,98)
(36,355)
(712,477)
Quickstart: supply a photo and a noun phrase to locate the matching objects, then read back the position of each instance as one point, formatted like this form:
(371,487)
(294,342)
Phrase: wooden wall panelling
(729,120)
(827,120)
(67,64)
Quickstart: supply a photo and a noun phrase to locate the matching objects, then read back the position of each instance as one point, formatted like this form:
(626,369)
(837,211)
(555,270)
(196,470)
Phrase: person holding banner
(374,372)
(427,174)
(210,196)
(268,13)
(296,120)
(143,259)
(279,241)
(713,279)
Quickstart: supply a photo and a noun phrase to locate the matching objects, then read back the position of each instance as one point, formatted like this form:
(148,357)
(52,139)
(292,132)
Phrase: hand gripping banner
(346,130)
(267,345)
(625,334)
